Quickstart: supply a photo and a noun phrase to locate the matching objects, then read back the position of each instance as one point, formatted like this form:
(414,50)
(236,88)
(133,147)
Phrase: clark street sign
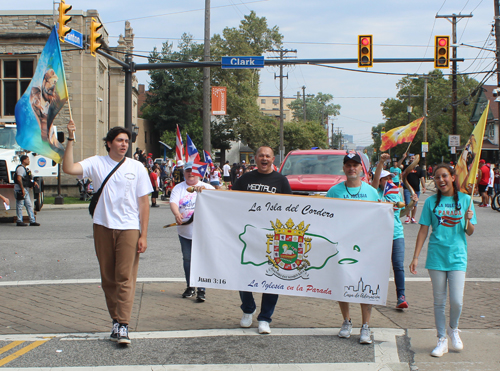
(242,62)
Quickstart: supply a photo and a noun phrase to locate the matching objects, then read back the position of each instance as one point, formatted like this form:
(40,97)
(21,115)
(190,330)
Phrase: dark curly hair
(113,133)
(455,187)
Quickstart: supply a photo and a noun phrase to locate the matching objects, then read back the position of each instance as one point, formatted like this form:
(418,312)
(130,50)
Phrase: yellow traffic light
(442,52)
(365,51)
(63,19)
(95,36)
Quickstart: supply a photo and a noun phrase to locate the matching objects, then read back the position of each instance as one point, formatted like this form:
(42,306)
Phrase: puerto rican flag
(199,169)
(191,151)
(208,158)
(178,146)
(448,221)
(390,188)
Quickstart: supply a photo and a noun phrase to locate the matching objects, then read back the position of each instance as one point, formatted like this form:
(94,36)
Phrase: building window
(262,101)
(15,76)
(276,109)
(276,101)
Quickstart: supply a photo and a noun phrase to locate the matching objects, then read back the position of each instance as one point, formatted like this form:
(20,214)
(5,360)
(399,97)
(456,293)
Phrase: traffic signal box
(95,36)
(442,52)
(63,19)
(365,51)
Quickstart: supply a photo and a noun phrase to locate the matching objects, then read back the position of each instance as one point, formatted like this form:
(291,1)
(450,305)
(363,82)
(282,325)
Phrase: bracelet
(70,139)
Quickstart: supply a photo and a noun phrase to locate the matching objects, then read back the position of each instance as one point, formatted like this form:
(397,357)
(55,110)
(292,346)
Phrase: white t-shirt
(226,168)
(214,176)
(118,206)
(186,202)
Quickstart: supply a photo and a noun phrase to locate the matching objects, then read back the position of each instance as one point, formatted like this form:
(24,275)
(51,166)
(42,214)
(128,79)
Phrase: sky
(316,29)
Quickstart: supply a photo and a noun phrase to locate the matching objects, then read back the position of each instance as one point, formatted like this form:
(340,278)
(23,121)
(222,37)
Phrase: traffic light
(63,19)
(95,36)
(365,51)
(442,52)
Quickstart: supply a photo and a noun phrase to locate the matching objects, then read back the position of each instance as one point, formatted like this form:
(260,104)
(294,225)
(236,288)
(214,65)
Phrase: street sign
(425,147)
(453,140)
(453,150)
(242,62)
(75,38)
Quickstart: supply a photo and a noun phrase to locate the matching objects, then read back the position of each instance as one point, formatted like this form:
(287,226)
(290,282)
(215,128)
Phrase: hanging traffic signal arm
(365,51)
(442,52)
(95,37)
(63,19)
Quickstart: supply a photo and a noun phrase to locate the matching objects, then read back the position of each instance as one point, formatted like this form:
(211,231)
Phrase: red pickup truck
(314,172)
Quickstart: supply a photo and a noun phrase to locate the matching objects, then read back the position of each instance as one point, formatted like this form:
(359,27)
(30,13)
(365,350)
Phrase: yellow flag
(468,163)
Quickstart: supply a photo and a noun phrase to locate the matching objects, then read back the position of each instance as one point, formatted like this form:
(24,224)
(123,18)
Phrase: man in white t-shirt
(182,204)
(227,172)
(121,221)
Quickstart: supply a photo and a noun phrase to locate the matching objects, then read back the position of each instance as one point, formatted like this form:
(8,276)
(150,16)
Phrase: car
(314,172)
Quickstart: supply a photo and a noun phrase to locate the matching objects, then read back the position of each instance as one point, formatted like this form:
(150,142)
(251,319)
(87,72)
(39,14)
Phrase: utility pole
(304,101)
(453,19)
(207,144)
(497,37)
(425,117)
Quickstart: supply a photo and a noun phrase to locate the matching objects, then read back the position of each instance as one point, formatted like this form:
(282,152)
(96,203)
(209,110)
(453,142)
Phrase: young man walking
(121,221)
(23,182)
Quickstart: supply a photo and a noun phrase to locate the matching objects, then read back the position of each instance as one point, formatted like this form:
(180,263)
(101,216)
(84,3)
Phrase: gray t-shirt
(21,171)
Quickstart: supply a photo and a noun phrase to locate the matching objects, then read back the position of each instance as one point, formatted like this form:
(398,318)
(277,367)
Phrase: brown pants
(118,261)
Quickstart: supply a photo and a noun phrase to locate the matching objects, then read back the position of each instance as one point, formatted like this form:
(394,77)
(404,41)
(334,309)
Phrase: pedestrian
(396,169)
(121,219)
(390,193)
(215,177)
(415,178)
(234,172)
(23,183)
(182,205)
(354,188)
(227,173)
(496,173)
(266,180)
(484,178)
(155,183)
(447,212)
(178,172)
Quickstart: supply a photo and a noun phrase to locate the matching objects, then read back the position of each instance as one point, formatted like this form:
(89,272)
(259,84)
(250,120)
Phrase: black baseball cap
(352,156)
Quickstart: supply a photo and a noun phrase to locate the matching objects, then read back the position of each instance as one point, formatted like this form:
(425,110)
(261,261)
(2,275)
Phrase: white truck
(40,167)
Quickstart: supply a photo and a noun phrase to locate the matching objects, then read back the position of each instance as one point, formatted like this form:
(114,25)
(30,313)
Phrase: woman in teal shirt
(448,215)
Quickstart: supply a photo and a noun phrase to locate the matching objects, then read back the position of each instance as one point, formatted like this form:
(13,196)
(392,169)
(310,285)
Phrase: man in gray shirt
(23,182)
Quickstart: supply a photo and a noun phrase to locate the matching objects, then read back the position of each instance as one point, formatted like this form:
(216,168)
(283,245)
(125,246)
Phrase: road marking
(21,351)
(10,346)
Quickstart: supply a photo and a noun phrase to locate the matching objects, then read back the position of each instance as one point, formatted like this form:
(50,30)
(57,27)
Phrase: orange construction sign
(219,94)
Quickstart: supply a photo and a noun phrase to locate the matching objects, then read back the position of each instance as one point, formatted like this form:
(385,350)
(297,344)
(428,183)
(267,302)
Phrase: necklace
(355,195)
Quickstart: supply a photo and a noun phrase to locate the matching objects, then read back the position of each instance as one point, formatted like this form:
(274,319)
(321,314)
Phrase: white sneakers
(456,342)
(366,335)
(247,319)
(346,329)
(442,348)
(264,327)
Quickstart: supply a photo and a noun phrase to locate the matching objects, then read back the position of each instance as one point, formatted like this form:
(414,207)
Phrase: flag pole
(71,117)
(470,204)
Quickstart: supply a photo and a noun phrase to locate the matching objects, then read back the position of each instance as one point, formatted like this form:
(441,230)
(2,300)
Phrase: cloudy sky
(316,29)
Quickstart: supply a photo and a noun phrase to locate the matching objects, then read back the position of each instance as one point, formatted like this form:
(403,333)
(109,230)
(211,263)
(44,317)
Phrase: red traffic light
(365,41)
(443,42)
(365,52)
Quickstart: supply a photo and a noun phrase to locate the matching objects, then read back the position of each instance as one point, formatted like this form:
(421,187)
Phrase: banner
(401,134)
(43,99)
(293,245)
(219,95)
(468,162)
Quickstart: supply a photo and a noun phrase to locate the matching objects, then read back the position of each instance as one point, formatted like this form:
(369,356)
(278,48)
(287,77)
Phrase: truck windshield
(314,164)
(8,138)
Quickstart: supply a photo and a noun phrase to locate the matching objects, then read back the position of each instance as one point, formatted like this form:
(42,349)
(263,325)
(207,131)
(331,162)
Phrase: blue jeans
(456,283)
(268,304)
(29,207)
(398,259)
(186,258)
(407,195)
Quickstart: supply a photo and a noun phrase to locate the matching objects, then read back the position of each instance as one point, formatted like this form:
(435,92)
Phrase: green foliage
(317,108)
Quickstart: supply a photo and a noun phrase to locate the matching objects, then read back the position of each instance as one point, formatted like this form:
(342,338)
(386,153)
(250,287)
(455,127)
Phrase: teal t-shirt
(447,249)
(397,171)
(398,226)
(365,192)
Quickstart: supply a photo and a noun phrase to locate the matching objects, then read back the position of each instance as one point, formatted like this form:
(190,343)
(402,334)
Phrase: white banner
(292,245)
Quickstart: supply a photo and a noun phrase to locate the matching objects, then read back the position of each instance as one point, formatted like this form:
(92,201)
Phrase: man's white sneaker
(346,329)
(366,335)
(456,342)
(442,348)
(264,327)
(247,319)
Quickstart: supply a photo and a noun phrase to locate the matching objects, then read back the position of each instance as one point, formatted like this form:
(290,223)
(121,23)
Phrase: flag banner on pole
(179,145)
(199,169)
(219,95)
(191,151)
(41,102)
(208,158)
(468,162)
(401,134)
(390,189)
(293,245)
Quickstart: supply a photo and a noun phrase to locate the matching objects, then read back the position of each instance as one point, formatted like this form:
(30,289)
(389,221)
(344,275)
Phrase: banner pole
(470,204)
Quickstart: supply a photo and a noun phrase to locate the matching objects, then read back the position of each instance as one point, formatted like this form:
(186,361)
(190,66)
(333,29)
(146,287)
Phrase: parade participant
(155,183)
(483,180)
(121,220)
(266,180)
(178,173)
(448,215)
(396,169)
(22,185)
(227,173)
(391,194)
(215,177)
(354,189)
(415,178)
(182,205)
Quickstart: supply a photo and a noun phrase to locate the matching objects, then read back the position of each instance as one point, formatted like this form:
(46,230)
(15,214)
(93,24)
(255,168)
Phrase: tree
(318,108)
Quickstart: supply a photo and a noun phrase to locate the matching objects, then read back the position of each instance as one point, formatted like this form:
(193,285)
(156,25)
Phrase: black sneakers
(188,293)
(200,296)
(114,331)
(123,337)
(35,224)
(21,224)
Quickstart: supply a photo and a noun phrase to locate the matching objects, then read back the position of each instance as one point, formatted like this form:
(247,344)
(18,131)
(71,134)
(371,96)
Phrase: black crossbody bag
(97,195)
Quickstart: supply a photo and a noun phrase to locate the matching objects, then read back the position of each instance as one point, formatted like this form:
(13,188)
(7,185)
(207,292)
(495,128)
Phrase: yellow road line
(21,351)
(10,346)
